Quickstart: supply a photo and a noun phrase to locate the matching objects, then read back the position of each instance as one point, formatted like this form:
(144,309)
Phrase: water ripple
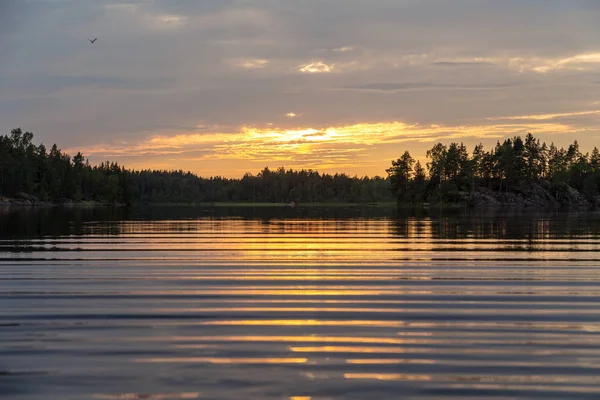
(302,309)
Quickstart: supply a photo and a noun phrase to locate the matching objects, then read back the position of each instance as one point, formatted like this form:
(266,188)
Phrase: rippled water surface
(298,304)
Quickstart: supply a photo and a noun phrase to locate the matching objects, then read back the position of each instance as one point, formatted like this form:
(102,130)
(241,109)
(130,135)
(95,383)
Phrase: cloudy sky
(224,87)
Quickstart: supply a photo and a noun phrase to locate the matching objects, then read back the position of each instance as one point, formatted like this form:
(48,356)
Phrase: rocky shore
(26,200)
(540,195)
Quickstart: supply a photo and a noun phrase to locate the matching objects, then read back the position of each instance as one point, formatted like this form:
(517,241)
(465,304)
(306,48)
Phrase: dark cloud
(191,7)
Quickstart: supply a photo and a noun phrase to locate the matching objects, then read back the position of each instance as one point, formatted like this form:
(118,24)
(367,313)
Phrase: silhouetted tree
(54,176)
(400,174)
(510,165)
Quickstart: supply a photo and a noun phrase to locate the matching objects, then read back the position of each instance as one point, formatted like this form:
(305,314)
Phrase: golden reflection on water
(388,377)
(371,301)
(481,363)
(378,310)
(295,339)
(351,349)
(222,360)
(388,361)
(308,291)
(425,301)
(306,322)
(457,351)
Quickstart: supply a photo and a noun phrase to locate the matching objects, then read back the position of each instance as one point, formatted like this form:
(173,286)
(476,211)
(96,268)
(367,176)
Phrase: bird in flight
(93,40)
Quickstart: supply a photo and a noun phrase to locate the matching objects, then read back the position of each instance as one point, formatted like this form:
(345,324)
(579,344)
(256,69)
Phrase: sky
(225,87)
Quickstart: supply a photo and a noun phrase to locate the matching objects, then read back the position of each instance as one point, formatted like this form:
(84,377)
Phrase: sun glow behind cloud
(316,67)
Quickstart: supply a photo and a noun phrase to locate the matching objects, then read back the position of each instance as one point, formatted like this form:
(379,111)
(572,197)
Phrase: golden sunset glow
(322,148)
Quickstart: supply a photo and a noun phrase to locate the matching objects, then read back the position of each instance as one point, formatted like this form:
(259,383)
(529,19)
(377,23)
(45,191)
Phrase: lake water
(304,303)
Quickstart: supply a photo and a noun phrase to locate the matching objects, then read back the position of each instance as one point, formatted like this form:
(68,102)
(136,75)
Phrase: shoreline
(535,196)
(23,203)
(8,202)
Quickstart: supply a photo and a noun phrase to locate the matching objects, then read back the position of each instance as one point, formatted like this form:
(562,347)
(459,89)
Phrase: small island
(514,173)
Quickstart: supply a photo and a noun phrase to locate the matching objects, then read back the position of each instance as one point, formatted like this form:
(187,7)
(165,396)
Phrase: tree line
(28,170)
(509,166)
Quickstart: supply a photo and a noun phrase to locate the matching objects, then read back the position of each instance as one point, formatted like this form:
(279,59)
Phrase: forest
(514,170)
(30,171)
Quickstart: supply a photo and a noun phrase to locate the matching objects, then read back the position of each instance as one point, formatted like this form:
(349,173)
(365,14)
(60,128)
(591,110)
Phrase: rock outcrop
(542,195)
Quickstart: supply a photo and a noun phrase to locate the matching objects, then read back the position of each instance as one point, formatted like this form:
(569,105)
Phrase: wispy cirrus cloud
(344,49)
(148,18)
(409,86)
(462,63)
(251,63)
(544,117)
(544,65)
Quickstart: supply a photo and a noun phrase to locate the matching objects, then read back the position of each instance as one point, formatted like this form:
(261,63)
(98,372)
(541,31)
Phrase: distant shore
(543,195)
(477,201)
(24,202)
(30,201)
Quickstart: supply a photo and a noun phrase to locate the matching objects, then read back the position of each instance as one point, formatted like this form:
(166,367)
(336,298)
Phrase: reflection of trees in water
(54,221)
(497,223)
(433,223)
